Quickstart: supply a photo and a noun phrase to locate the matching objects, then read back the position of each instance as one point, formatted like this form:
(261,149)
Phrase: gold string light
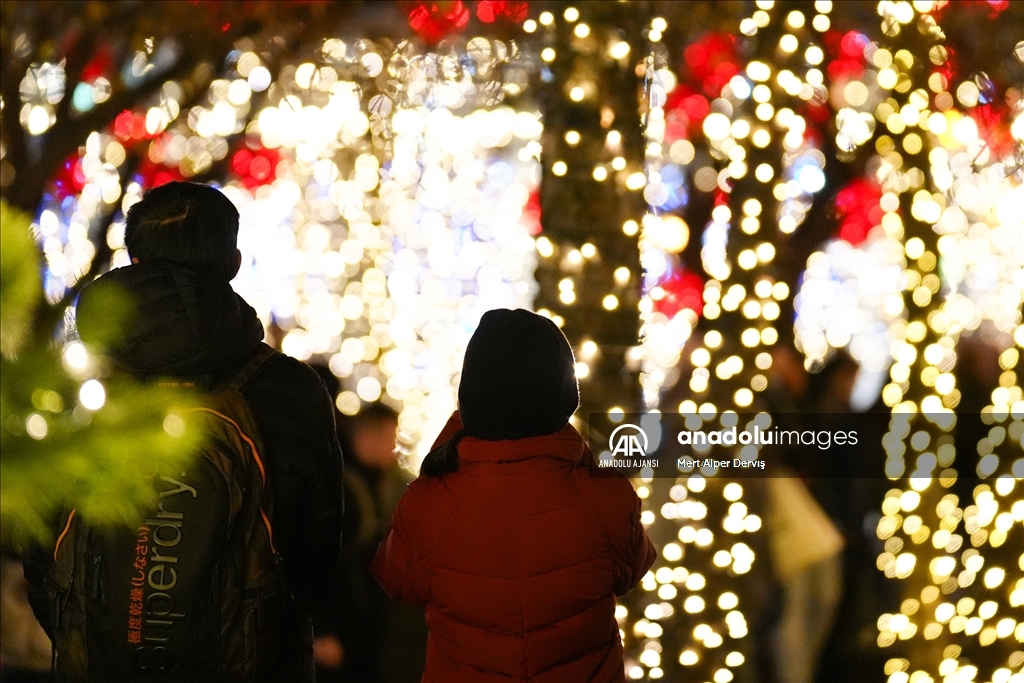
(402,249)
(695,601)
(936,546)
(967,590)
(588,266)
(922,347)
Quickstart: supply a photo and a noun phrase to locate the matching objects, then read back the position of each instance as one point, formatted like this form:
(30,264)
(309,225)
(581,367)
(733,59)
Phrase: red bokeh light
(432,21)
(129,125)
(858,210)
(853,44)
(151,174)
(70,179)
(531,214)
(711,62)
(255,167)
(683,291)
(490,11)
(685,111)
(101,64)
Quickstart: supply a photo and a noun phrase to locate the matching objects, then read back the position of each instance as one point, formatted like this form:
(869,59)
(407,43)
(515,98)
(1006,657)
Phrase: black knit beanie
(518,378)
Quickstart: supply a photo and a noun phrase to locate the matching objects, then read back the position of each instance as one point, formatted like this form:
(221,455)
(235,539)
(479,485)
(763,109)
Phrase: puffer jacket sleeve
(399,566)
(404,560)
(640,552)
(620,509)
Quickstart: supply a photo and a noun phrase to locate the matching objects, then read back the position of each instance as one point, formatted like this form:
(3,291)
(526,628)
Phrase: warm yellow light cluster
(743,284)
(65,241)
(702,569)
(385,229)
(951,554)
(663,236)
(582,89)
(917,438)
(41,89)
(585,277)
(396,266)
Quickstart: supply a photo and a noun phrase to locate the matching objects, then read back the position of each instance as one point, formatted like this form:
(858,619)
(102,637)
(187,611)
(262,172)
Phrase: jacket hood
(159,318)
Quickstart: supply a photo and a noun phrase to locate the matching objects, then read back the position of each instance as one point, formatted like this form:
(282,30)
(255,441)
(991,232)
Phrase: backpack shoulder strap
(262,354)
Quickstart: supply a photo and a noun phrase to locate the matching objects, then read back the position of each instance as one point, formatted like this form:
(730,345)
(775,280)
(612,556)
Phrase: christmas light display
(933,562)
(673,294)
(842,302)
(978,621)
(697,599)
(430,241)
(588,267)
(954,620)
(376,225)
(646,175)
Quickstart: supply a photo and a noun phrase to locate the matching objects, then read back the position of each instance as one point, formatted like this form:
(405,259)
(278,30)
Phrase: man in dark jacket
(188,322)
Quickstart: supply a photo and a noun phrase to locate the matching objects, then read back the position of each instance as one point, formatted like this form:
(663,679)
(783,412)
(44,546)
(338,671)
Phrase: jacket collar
(181,323)
(565,444)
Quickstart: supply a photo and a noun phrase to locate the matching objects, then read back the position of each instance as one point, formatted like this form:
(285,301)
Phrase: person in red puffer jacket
(514,549)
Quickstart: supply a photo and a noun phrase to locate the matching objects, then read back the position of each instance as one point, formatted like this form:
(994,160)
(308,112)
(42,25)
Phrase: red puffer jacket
(517,558)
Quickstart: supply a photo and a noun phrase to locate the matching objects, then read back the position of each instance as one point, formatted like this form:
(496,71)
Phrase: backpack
(194,592)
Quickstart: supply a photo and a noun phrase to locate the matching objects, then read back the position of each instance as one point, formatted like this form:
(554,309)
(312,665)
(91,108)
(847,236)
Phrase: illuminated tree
(698,602)
(952,618)
(593,169)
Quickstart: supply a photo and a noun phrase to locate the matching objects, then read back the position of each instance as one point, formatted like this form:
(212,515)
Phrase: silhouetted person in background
(367,638)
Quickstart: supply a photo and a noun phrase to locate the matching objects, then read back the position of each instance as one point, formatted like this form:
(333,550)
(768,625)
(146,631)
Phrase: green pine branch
(60,449)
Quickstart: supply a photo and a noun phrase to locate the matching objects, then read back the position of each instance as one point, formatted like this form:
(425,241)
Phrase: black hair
(190,224)
(444,458)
